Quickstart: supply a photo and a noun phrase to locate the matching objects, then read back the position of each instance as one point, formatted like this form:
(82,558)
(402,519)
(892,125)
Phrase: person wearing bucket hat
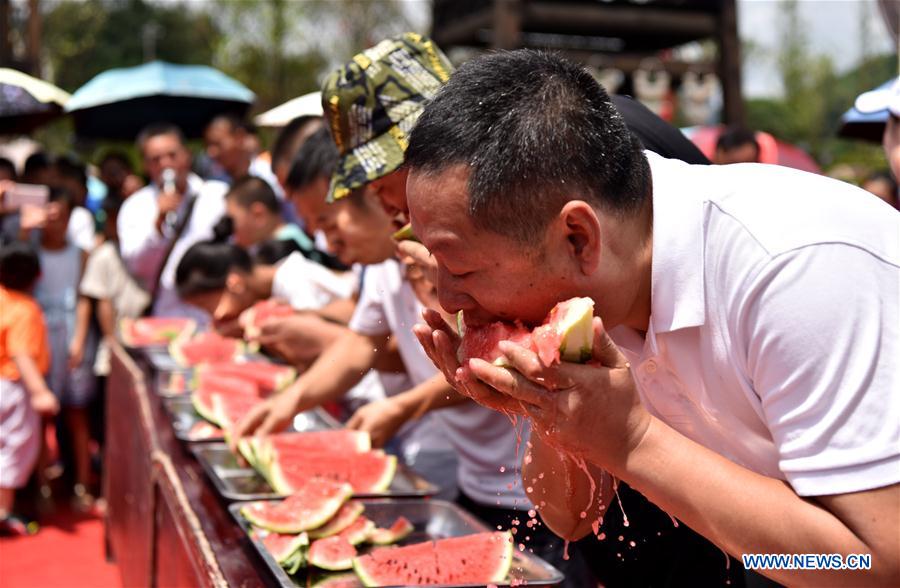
(371,104)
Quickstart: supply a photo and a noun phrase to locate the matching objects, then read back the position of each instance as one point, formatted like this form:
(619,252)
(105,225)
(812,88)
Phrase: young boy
(255,212)
(24,395)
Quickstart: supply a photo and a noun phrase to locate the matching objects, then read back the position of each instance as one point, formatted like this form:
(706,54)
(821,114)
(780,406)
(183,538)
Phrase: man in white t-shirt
(750,385)
(159,222)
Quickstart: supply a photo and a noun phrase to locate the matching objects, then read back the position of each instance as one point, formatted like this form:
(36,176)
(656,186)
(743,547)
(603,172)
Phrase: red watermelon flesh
(310,507)
(337,581)
(283,545)
(202,398)
(260,313)
(290,444)
(332,553)
(367,473)
(482,559)
(566,334)
(228,410)
(205,348)
(149,331)
(267,375)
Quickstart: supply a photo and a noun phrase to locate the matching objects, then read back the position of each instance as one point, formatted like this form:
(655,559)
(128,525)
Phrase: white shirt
(307,285)
(143,247)
(484,440)
(81,230)
(774,334)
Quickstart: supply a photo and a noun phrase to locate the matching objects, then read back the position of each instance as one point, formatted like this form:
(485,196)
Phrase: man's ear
(580,228)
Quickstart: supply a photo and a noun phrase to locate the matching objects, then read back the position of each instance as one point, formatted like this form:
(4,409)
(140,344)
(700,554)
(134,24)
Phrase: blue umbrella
(118,103)
(868,126)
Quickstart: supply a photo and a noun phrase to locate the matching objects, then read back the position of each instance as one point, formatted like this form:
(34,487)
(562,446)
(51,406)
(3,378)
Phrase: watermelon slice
(262,312)
(202,398)
(359,531)
(228,410)
(332,553)
(405,234)
(480,559)
(399,530)
(282,545)
(367,473)
(566,335)
(314,504)
(343,519)
(273,447)
(205,348)
(153,331)
(268,376)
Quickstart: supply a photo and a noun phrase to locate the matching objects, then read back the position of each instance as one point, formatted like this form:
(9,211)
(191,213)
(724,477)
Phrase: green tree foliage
(815,96)
(85,37)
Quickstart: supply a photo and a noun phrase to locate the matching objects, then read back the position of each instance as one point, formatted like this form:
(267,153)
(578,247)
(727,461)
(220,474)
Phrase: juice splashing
(619,500)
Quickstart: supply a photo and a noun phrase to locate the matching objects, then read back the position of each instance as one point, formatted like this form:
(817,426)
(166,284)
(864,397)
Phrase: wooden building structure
(618,34)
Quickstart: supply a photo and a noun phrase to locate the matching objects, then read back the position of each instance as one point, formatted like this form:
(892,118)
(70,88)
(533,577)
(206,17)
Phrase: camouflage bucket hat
(372,103)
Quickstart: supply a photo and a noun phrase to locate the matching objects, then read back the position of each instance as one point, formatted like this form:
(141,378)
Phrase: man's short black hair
(35,164)
(9,166)
(234,122)
(69,167)
(20,266)
(251,189)
(155,130)
(285,145)
(62,196)
(734,137)
(274,250)
(204,267)
(117,155)
(536,131)
(316,159)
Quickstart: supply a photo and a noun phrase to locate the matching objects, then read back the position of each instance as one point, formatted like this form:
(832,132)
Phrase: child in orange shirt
(24,395)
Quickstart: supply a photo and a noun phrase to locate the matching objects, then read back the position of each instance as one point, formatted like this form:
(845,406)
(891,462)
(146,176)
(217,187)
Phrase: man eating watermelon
(744,377)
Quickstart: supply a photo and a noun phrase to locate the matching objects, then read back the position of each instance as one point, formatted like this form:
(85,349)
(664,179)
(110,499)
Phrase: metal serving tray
(185,418)
(237,482)
(432,519)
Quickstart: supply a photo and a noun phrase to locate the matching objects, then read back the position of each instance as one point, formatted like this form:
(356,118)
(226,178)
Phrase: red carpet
(68,551)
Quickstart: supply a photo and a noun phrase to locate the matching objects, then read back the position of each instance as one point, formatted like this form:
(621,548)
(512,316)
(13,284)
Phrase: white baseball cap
(886,97)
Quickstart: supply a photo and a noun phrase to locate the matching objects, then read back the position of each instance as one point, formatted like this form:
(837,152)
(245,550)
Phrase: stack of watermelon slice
(154,331)
(289,460)
(320,527)
(224,392)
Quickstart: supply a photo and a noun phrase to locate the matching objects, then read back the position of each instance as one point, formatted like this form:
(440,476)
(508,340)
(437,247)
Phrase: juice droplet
(595,526)
(566,550)
(530,489)
(521,547)
(582,515)
(621,538)
(502,469)
(601,536)
(532,513)
(541,476)
(632,543)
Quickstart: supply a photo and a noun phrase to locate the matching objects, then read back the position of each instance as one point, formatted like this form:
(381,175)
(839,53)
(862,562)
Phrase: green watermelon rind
(335,526)
(207,412)
(328,509)
(361,535)
(499,575)
(577,329)
(282,487)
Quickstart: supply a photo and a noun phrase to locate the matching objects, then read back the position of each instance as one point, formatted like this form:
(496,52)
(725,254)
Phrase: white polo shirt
(774,334)
(488,448)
